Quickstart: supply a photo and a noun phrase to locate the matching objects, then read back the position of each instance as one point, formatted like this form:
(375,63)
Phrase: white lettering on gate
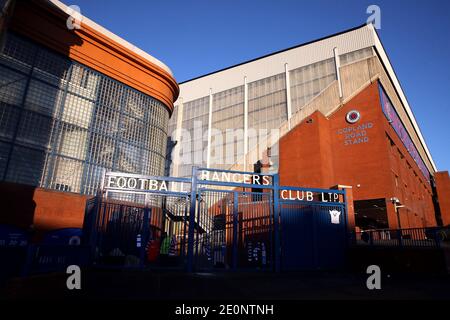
(142,185)
(235,177)
(153,185)
(163,186)
(132,183)
(226,176)
(296,195)
(136,183)
(307,195)
(204,175)
(111,180)
(121,182)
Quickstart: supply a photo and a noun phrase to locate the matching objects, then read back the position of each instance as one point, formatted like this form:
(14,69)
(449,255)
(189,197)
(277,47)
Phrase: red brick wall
(442,180)
(317,153)
(364,165)
(305,154)
(56,210)
(313,154)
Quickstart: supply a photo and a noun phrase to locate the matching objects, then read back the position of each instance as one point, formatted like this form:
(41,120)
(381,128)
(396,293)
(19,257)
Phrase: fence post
(235,229)
(350,241)
(399,237)
(145,233)
(190,253)
(94,230)
(276,216)
(437,234)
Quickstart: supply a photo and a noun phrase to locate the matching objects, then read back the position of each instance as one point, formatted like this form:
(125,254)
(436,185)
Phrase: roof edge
(276,52)
(379,47)
(114,37)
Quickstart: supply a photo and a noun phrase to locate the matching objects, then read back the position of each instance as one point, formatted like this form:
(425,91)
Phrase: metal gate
(209,224)
(238,230)
(128,228)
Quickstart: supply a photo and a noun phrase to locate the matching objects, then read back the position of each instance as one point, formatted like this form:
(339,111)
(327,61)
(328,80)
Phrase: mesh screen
(63,124)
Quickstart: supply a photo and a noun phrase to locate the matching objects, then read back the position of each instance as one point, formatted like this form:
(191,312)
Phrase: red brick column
(350,206)
(442,180)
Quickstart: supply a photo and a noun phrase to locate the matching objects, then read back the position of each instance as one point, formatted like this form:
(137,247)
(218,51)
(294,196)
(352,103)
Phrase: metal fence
(215,225)
(55,258)
(237,230)
(411,237)
(55,251)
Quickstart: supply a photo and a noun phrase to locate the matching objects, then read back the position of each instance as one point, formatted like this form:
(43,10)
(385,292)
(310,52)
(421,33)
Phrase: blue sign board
(397,124)
(66,236)
(12,236)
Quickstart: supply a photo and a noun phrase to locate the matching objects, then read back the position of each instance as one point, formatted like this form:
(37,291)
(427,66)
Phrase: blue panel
(297,252)
(11,236)
(330,238)
(68,236)
(309,238)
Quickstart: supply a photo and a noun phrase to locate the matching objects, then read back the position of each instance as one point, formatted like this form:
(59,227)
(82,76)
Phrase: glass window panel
(12,86)
(308,81)
(67,174)
(34,129)
(43,98)
(9,116)
(76,124)
(26,166)
(20,50)
(4,153)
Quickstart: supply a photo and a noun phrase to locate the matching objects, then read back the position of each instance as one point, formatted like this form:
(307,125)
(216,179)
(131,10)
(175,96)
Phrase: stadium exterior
(335,114)
(75,101)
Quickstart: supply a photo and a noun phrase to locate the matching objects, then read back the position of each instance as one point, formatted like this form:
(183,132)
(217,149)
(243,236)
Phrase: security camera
(395,200)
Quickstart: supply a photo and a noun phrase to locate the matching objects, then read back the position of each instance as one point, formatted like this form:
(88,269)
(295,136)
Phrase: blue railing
(411,237)
(55,258)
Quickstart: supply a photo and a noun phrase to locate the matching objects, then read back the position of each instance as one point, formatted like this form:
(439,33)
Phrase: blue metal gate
(237,230)
(127,228)
(313,234)
(216,225)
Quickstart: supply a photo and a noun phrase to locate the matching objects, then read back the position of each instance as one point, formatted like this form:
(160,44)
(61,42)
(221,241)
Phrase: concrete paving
(151,285)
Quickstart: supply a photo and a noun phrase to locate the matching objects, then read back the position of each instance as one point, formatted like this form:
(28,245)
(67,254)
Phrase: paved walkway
(111,284)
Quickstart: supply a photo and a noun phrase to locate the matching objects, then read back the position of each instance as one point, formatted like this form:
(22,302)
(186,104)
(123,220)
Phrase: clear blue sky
(194,37)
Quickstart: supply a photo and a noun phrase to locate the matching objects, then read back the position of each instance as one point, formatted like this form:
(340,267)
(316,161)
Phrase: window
(75,123)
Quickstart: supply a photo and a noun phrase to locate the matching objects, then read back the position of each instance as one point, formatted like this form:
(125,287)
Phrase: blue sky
(194,37)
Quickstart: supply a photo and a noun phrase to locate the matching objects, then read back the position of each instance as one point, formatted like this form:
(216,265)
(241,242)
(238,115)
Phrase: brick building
(340,117)
(76,102)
